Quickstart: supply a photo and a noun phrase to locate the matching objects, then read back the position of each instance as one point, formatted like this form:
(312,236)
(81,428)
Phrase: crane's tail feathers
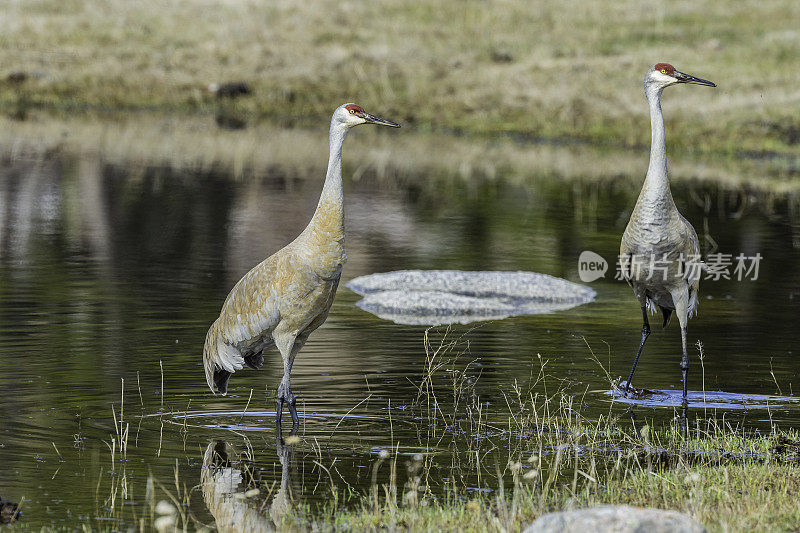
(220,360)
(667,315)
(254,360)
(221,378)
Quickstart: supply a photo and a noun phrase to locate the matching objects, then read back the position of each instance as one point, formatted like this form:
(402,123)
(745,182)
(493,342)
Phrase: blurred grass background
(559,70)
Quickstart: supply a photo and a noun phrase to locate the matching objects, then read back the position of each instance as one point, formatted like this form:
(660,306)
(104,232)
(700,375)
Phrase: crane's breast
(307,299)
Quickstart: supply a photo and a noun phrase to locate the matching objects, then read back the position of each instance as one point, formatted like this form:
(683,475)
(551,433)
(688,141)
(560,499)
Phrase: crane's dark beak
(372,119)
(686,78)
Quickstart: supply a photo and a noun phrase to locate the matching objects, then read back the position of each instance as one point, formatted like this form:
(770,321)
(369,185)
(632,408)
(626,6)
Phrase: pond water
(110,277)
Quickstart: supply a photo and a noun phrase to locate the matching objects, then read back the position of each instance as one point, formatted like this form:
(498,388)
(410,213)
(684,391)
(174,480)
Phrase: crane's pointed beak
(686,78)
(372,119)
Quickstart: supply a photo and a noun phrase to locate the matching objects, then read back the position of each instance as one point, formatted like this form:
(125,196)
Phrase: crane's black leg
(285,396)
(279,410)
(633,422)
(292,401)
(684,364)
(645,334)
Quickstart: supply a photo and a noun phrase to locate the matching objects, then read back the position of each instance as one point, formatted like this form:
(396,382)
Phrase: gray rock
(434,297)
(481,284)
(433,308)
(619,519)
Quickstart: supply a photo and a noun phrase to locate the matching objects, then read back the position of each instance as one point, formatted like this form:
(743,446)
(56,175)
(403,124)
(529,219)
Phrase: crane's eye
(663,71)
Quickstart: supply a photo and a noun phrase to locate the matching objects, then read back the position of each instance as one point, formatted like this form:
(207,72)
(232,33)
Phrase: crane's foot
(293,411)
(628,390)
(285,396)
(631,392)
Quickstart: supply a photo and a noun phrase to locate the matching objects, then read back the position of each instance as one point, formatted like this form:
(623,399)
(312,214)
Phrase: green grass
(552,457)
(743,497)
(547,70)
(724,477)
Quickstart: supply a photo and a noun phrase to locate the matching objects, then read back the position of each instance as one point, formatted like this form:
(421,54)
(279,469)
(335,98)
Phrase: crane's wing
(691,251)
(693,265)
(626,250)
(243,329)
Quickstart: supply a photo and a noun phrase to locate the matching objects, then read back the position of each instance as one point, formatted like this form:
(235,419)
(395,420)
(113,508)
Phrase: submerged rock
(433,297)
(8,512)
(619,519)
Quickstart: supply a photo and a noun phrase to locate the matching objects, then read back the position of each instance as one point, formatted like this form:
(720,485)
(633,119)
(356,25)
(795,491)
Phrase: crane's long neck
(329,216)
(656,184)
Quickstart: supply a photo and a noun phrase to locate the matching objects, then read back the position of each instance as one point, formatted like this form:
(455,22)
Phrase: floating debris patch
(434,297)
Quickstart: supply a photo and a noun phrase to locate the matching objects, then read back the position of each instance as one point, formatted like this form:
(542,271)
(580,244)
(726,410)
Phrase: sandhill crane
(660,252)
(288,295)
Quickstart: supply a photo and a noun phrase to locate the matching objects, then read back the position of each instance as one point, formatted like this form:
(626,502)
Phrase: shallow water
(110,274)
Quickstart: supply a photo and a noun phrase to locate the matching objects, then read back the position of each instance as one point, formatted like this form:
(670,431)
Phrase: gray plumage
(660,251)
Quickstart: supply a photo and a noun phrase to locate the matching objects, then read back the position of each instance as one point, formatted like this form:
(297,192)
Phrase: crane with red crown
(288,295)
(660,252)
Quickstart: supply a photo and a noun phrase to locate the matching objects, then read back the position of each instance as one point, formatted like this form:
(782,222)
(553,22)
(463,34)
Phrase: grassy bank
(195,143)
(552,457)
(541,454)
(548,70)
(745,497)
(725,477)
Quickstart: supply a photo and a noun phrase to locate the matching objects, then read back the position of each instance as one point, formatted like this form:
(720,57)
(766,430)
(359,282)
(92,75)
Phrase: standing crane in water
(288,295)
(660,252)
